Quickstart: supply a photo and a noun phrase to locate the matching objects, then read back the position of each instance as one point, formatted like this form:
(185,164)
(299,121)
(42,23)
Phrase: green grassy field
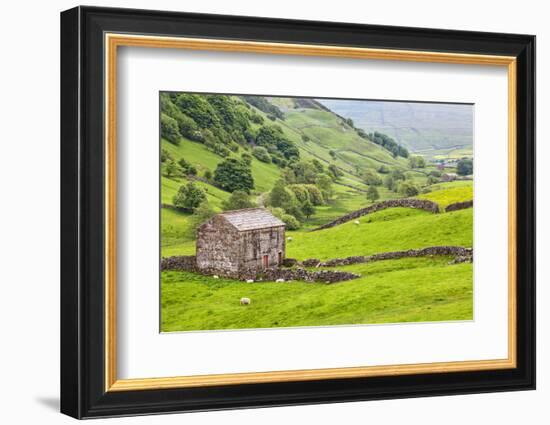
(392,291)
(404,290)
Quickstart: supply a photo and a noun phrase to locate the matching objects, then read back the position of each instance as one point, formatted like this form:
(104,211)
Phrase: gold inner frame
(113,41)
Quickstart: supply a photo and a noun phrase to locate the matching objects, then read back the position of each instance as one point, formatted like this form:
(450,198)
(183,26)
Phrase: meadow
(422,289)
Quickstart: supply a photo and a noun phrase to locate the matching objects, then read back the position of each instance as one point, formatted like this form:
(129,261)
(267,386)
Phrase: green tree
(408,188)
(372,194)
(308,209)
(417,162)
(324,183)
(202,213)
(389,182)
(281,197)
(237,201)
(233,174)
(465,167)
(165,156)
(371,178)
(261,154)
(207,174)
(188,197)
(335,171)
(172,169)
(169,129)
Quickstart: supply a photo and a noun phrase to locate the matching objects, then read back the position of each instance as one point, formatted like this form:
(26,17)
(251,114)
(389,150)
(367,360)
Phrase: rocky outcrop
(459,252)
(459,206)
(421,204)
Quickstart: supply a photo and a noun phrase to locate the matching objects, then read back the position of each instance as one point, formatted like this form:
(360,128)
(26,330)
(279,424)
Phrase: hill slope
(421,127)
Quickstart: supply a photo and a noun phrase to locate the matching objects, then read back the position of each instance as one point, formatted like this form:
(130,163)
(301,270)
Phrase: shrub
(165,156)
(372,194)
(383,169)
(261,154)
(291,222)
(371,178)
(238,201)
(189,197)
(308,209)
(465,167)
(417,162)
(408,188)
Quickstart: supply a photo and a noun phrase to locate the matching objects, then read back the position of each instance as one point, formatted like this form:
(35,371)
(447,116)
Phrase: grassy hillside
(430,128)
(415,229)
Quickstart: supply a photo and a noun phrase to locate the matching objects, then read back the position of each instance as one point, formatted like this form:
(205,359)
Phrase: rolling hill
(427,128)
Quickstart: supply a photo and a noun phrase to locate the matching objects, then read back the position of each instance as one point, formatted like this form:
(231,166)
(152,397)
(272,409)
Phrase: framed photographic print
(261,212)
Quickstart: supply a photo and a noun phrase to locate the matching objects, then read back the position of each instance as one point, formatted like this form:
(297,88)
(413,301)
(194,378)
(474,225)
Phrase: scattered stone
(280,280)
(249,280)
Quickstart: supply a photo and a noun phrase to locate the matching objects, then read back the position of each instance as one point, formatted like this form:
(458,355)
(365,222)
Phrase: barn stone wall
(257,243)
(218,247)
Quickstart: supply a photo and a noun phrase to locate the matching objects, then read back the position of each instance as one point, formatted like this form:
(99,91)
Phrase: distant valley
(430,129)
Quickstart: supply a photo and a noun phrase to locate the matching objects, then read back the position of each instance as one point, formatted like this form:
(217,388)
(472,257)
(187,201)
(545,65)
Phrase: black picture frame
(82,212)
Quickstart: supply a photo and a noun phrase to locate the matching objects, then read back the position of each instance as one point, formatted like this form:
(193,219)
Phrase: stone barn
(240,243)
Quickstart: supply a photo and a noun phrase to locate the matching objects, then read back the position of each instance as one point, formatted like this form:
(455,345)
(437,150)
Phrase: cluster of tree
(172,168)
(465,167)
(280,149)
(397,182)
(218,121)
(417,162)
(311,172)
(304,185)
(286,205)
(263,105)
(386,142)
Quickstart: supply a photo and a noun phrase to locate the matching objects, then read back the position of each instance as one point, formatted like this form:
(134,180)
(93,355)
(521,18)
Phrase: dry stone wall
(461,253)
(422,204)
(459,206)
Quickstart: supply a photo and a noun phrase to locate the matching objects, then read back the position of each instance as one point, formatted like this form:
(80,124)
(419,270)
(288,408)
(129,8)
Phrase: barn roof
(252,219)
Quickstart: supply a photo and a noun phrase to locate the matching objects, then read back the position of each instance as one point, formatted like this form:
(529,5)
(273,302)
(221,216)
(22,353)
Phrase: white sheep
(279,280)
(245,301)
(249,280)
(356,221)
(216,276)
(289,239)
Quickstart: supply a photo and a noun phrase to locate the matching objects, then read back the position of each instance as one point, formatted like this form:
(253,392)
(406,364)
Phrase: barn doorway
(280,258)
(265,260)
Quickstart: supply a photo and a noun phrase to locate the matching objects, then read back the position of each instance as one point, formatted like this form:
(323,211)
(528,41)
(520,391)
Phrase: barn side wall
(218,247)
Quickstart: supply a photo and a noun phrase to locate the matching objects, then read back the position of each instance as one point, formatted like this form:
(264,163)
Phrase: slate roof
(251,219)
